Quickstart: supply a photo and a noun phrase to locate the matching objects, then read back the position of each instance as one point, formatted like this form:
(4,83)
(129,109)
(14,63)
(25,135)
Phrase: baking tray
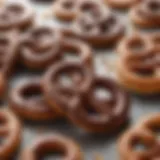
(93,146)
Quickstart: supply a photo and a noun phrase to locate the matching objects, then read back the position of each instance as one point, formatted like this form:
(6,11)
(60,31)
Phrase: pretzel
(140,77)
(146,14)
(107,114)
(16,15)
(10,131)
(8,55)
(121,4)
(143,133)
(40,47)
(65,9)
(135,45)
(26,102)
(52,143)
(68,10)
(79,49)
(99,29)
(64,82)
(139,72)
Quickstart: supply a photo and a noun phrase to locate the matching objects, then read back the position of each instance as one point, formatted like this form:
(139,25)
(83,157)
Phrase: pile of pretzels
(89,21)
(67,86)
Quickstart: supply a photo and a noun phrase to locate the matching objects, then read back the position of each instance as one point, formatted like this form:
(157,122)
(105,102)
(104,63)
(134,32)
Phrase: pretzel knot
(64,82)
(146,13)
(99,28)
(104,108)
(138,67)
(52,143)
(141,141)
(28,102)
(70,9)
(15,15)
(40,47)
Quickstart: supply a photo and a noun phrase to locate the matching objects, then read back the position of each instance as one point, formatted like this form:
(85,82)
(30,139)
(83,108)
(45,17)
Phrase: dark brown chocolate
(27,101)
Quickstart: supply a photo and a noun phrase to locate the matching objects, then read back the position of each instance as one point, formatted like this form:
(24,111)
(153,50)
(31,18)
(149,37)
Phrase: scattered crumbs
(98,156)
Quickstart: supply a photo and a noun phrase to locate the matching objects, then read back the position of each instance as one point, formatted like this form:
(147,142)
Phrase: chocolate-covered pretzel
(8,56)
(140,76)
(70,9)
(64,82)
(99,29)
(16,15)
(136,45)
(146,13)
(40,47)
(50,144)
(65,9)
(138,68)
(142,134)
(10,132)
(27,101)
(100,114)
(79,51)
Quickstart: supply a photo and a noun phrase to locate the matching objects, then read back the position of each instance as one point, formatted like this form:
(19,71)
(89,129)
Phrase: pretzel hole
(71,52)
(140,145)
(154,6)
(50,155)
(32,92)
(96,14)
(102,94)
(65,80)
(155,129)
(144,69)
(70,79)
(144,72)
(85,24)
(88,27)
(50,151)
(104,27)
(107,25)
(136,45)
